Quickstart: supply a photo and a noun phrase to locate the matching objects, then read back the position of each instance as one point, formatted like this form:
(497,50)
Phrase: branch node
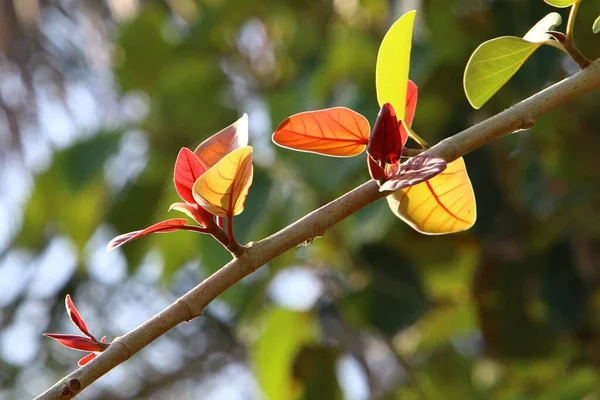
(119,340)
(189,310)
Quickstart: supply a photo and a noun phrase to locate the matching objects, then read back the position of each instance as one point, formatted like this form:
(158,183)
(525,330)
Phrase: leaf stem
(569,43)
(233,246)
(422,142)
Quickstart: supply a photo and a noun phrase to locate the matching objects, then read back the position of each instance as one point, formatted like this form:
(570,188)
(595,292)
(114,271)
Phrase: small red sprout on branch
(82,343)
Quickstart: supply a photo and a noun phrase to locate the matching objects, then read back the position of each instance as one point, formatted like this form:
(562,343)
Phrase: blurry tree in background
(97,97)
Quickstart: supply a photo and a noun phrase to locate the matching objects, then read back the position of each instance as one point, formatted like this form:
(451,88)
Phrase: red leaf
(231,138)
(188,168)
(385,143)
(337,131)
(76,318)
(416,170)
(86,359)
(375,170)
(169,225)
(77,342)
(411,104)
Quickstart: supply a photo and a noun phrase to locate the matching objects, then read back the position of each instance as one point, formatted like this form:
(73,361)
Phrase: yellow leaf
(393,63)
(443,204)
(223,188)
(223,142)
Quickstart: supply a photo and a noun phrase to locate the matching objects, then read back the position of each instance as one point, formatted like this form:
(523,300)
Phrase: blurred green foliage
(507,310)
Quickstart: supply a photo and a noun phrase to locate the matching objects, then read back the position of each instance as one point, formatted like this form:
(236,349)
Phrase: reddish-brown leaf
(76,318)
(416,170)
(169,225)
(213,149)
(80,343)
(188,168)
(385,144)
(337,131)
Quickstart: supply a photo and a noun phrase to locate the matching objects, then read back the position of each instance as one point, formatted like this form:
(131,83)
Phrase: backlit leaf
(194,211)
(414,171)
(169,225)
(80,343)
(222,189)
(412,94)
(561,3)
(223,142)
(494,62)
(337,131)
(86,359)
(393,62)
(538,32)
(75,317)
(443,204)
(188,168)
(596,26)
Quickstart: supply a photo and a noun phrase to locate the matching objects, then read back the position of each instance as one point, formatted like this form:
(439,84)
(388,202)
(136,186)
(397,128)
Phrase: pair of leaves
(342,132)
(494,62)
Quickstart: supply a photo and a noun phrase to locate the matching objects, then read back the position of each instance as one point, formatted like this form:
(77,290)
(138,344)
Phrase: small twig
(569,43)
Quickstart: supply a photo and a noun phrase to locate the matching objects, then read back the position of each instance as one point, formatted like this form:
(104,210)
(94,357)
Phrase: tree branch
(191,305)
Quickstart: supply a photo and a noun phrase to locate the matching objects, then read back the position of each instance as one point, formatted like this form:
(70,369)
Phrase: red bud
(385,143)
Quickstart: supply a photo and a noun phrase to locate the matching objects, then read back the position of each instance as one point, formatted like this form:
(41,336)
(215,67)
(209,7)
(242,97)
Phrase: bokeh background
(96,99)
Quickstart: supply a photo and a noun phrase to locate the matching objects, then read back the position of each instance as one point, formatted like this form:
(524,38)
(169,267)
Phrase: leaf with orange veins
(222,190)
(169,225)
(338,132)
(188,169)
(443,204)
(213,149)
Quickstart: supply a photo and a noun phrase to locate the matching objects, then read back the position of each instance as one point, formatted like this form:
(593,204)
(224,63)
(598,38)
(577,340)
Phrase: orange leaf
(443,204)
(222,189)
(338,132)
(224,142)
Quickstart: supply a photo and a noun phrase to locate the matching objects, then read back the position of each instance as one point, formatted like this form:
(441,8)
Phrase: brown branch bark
(191,305)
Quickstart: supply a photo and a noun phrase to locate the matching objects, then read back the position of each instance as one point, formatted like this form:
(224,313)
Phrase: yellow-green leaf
(561,3)
(223,188)
(393,63)
(443,204)
(494,62)
(596,26)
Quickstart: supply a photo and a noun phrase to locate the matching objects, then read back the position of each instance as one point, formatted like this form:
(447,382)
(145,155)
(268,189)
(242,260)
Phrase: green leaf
(596,26)
(561,3)
(275,351)
(494,62)
(537,33)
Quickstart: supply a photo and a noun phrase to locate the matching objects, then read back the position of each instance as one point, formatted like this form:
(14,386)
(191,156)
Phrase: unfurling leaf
(222,189)
(443,204)
(393,62)
(213,149)
(77,342)
(414,171)
(86,359)
(75,317)
(386,142)
(188,169)
(337,131)
(494,62)
(161,227)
